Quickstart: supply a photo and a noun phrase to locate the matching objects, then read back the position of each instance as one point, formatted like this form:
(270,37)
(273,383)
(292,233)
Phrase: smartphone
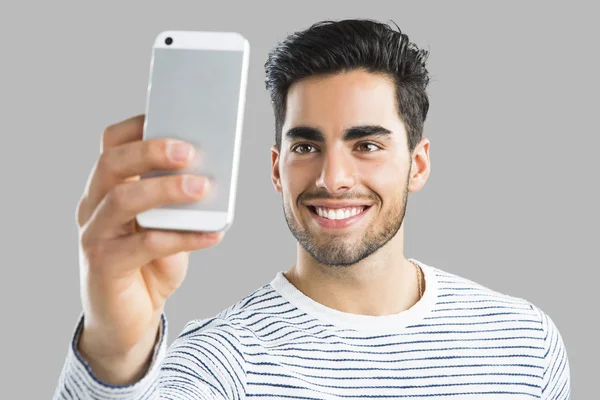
(197,93)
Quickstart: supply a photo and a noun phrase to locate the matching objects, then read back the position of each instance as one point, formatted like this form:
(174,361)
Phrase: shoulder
(460,296)
(234,321)
(465,300)
(212,351)
(527,324)
(215,348)
(457,292)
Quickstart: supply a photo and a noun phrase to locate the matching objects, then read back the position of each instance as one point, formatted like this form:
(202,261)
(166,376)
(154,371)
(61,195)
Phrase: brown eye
(367,147)
(303,148)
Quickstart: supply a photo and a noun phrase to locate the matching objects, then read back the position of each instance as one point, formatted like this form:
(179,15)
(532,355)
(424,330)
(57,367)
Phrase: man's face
(343,166)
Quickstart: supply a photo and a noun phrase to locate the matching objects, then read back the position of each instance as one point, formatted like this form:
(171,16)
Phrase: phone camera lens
(168,40)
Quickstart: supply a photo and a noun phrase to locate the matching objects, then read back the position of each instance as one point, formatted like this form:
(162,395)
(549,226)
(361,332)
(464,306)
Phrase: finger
(128,130)
(124,161)
(123,202)
(128,253)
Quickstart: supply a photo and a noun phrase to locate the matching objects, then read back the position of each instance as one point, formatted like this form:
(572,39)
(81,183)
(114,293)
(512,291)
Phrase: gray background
(511,202)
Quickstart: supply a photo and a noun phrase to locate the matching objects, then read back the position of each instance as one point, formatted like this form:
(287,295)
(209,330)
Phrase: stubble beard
(334,250)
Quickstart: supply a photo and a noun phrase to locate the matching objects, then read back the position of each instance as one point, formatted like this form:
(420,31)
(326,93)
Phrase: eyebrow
(353,133)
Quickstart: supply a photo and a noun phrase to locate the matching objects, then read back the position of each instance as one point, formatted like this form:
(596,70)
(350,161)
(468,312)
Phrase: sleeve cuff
(81,377)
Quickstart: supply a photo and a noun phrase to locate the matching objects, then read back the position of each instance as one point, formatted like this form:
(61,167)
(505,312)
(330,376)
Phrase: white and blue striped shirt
(460,341)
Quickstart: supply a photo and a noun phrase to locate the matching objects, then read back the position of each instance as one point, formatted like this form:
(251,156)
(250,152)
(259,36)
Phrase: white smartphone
(197,93)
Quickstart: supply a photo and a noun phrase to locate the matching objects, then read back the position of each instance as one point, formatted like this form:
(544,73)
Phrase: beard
(331,249)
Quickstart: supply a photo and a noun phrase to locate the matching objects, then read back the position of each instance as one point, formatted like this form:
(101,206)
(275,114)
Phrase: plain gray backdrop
(512,200)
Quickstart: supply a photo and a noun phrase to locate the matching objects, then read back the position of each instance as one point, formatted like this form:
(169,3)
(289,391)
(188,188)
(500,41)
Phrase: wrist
(124,366)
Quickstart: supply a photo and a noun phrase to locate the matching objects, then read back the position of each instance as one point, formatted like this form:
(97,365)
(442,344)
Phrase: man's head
(350,102)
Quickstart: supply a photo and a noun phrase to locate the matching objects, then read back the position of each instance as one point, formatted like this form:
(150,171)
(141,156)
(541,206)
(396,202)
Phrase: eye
(367,147)
(303,148)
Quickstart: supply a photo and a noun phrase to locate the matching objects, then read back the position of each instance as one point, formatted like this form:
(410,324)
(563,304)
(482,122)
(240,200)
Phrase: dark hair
(328,47)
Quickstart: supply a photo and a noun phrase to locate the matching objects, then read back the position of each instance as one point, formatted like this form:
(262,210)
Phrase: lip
(336,204)
(337,223)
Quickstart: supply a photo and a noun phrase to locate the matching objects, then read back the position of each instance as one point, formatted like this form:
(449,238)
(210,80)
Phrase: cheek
(296,177)
(384,178)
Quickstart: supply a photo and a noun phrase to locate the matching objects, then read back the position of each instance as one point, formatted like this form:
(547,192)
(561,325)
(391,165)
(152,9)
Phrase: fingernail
(178,151)
(193,185)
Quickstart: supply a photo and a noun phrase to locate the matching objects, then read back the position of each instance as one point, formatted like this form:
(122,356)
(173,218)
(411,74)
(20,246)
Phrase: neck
(385,283)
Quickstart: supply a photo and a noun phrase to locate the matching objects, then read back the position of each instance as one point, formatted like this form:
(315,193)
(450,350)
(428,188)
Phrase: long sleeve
(204,362)
(557,376)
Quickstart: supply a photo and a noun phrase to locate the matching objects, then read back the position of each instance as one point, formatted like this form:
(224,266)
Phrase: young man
(352,317)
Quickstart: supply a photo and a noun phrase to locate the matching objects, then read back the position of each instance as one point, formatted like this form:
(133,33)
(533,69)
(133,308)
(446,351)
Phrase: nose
(337,172)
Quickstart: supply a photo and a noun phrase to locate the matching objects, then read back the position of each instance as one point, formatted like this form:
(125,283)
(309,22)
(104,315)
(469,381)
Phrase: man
(352,317)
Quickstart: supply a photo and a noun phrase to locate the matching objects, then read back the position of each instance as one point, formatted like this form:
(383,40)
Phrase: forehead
(335,102)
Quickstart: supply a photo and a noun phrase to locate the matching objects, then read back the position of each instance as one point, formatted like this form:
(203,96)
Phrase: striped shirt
(461,340)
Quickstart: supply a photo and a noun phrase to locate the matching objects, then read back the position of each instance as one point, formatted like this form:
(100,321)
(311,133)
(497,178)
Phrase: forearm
(80,379)
(216,375)
(119,369)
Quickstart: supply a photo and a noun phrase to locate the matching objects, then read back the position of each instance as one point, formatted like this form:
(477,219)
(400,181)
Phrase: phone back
(197,94)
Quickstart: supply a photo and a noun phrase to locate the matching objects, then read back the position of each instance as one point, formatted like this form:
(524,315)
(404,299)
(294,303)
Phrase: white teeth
(339,213)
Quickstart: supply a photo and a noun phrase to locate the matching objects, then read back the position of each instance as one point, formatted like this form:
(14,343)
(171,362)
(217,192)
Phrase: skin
(359,269)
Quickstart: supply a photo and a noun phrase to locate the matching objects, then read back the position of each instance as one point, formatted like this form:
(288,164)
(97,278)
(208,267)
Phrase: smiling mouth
(337,213)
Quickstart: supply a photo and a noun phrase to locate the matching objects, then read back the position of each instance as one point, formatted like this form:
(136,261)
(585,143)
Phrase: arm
(556,384)
(128,272)
(204,362)
(78,381)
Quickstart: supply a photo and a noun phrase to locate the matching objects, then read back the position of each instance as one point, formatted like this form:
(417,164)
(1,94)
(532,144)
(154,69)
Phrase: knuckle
(157,151)
(95,254)
(85,239)
(150,240)
(108,135)
(117,197)
(152,153)
(104,163)
(81,210)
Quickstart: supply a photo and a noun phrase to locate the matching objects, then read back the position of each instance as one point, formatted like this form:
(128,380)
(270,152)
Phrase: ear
(275,177)
(420,167)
